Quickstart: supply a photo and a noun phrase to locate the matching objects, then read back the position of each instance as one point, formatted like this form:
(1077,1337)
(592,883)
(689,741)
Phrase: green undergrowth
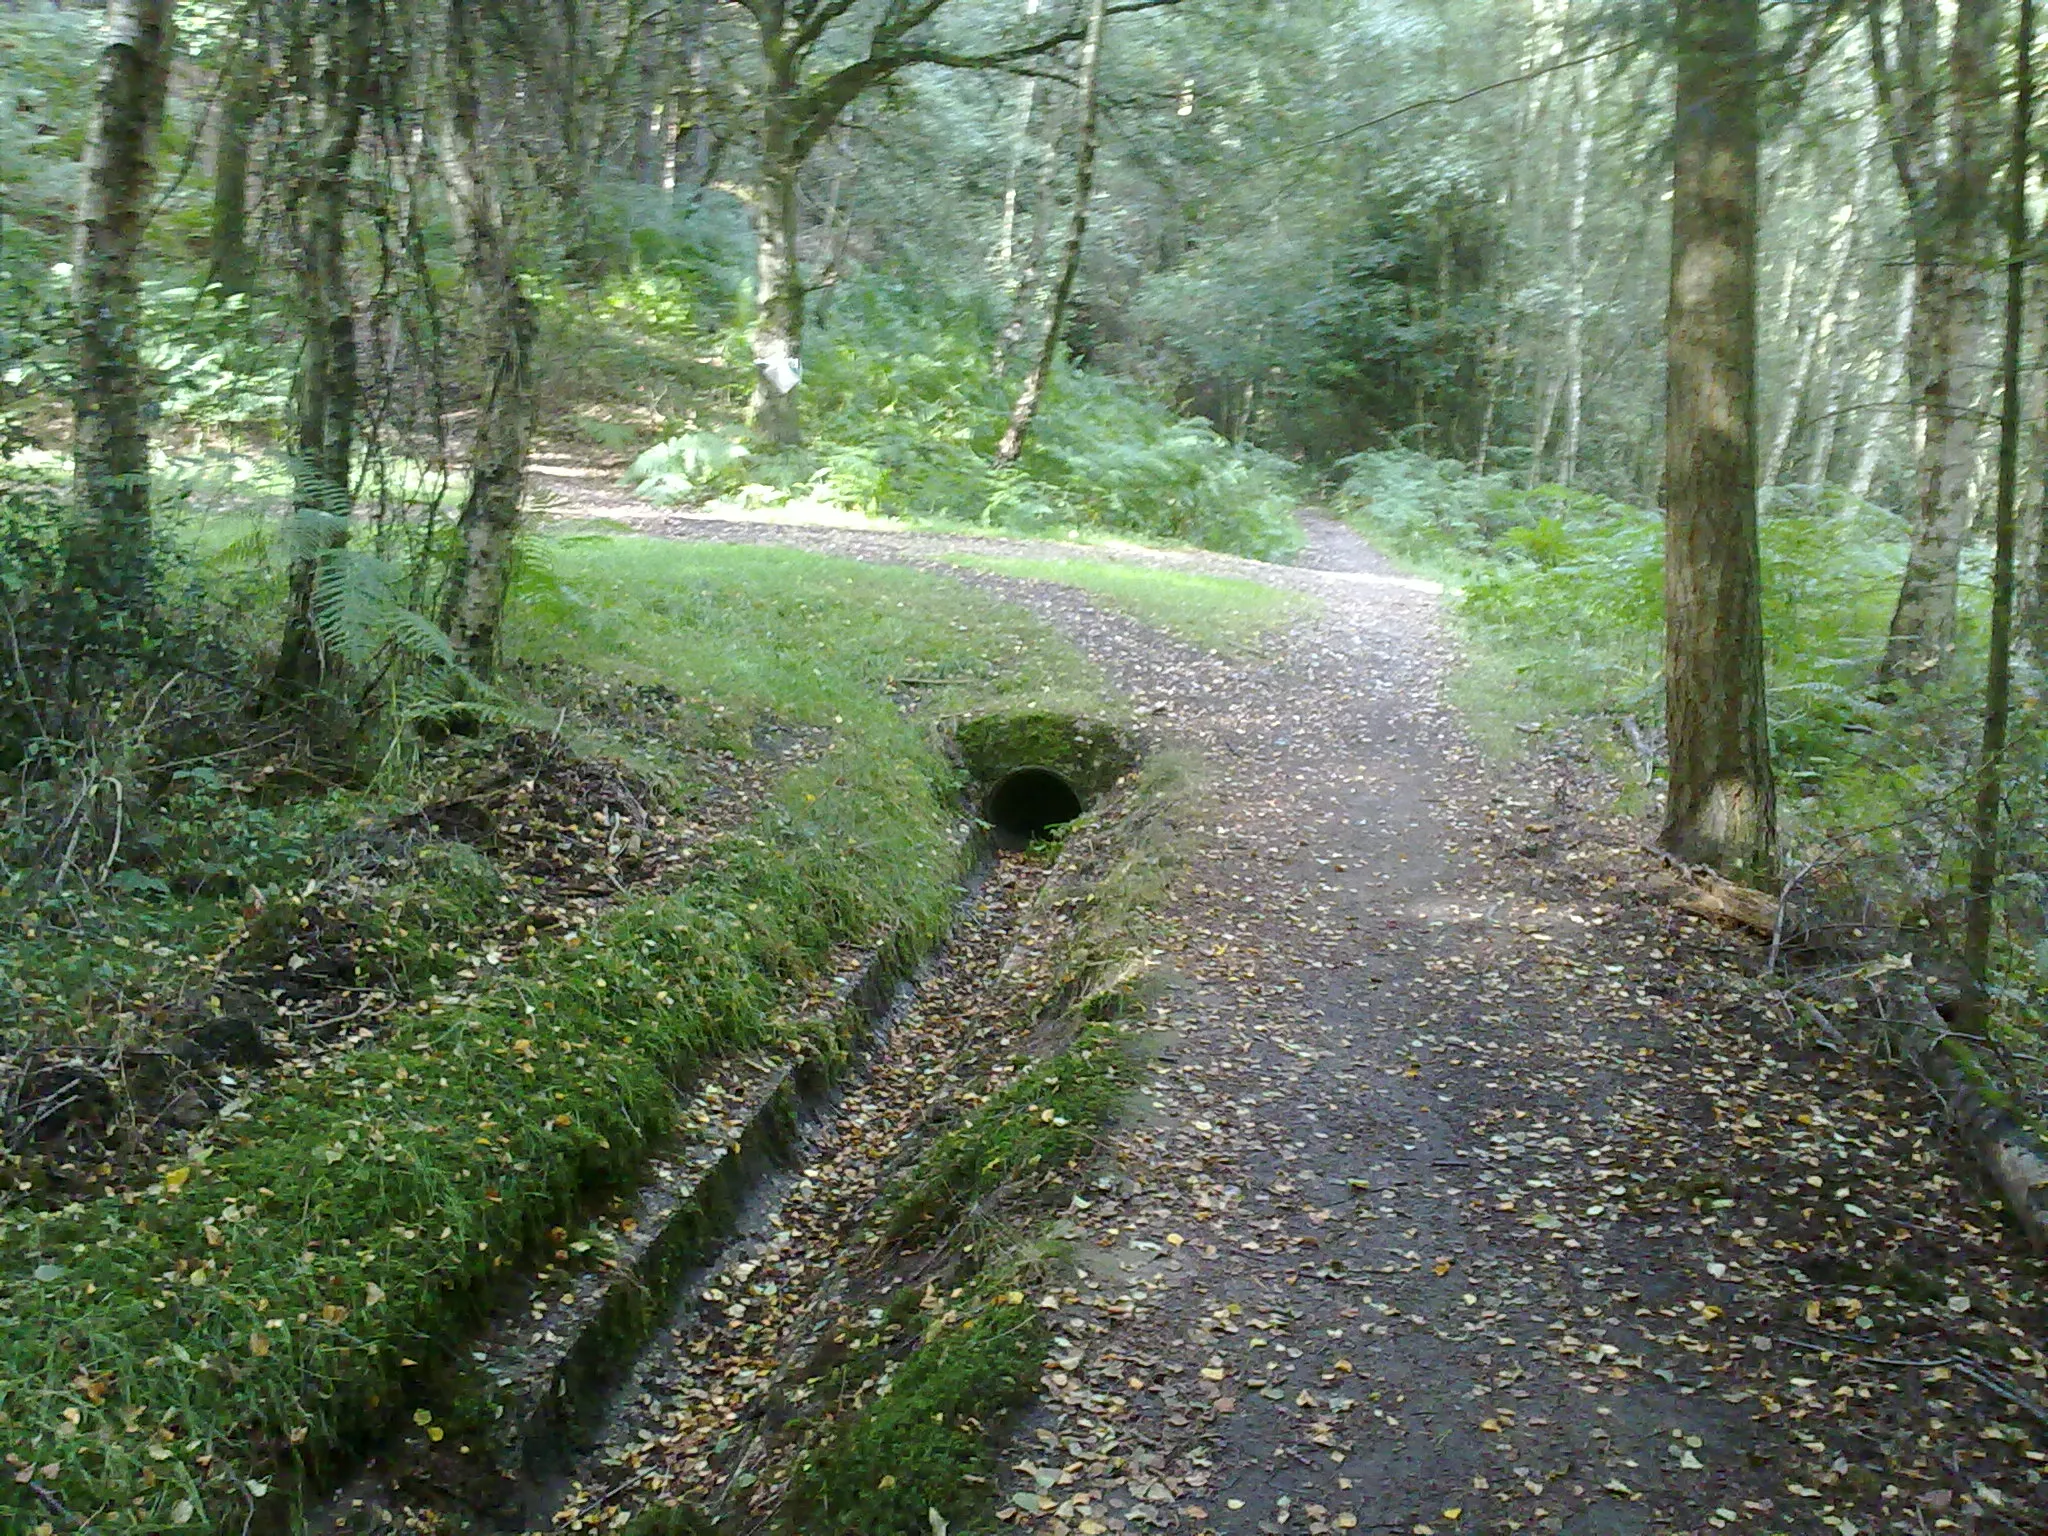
(283,1280)
(1229,614)
(918,1447)
(1560,600)
(903,412)
(921,1439)
(1560,595)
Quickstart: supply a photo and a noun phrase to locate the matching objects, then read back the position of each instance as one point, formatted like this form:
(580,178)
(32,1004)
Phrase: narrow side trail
(1474,1188)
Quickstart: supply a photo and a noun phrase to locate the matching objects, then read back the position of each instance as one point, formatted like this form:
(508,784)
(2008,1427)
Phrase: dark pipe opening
(1029,803)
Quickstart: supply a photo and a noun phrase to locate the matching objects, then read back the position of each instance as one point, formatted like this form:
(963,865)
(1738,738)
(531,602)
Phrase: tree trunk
(1820,325)
(1575,272)
(328,385)
(1949,256)
(1546,417)
(230,263)
(108,546)
(1891,391)
(1033,390)
(1979,908)
(1027,112)
(1720,809)
(1024,289)
(491,516)
(778,330)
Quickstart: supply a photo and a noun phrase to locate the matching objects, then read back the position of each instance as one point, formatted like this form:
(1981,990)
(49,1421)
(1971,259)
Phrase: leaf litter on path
(1476,1189)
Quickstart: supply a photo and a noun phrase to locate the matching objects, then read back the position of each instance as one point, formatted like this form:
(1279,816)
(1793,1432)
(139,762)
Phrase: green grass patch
(910,1422)
(921,1439)
(1229,614)
(1030,1136)
(169,1351)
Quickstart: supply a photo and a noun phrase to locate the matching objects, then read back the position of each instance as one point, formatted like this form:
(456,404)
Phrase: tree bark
(1820,325)
(109,553)
(328,386)
(1891,389)
(1027,112)
(777,334)
(1720,809)
(1948,197)
(1583,90)
(231,265)
(1979,908)
(1033,391)
(1024,289)
(491,516)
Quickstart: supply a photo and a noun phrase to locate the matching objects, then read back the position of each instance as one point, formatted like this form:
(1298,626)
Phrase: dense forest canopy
(1327,229)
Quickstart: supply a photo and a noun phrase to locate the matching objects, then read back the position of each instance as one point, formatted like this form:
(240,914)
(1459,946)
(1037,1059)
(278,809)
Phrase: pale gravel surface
(1476,1190)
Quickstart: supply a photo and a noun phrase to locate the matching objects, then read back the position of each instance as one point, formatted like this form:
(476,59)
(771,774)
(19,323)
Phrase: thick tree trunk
(1979,908)
(1033,391)
(328,387)
(778,330)
(1949,260)
(1720,809)
(108,554)
(492,515)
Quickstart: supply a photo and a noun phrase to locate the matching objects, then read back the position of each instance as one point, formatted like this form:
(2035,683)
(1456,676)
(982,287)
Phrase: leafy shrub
(1573,585)
(903,414)
(694,464)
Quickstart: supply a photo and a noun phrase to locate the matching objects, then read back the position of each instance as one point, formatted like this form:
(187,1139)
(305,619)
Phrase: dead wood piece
(2009,1150)
(1708,895)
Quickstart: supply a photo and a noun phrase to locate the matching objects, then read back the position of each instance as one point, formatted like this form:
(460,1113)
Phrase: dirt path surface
(1475,1188)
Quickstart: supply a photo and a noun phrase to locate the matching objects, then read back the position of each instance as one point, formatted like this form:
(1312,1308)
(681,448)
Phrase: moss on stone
(1091,754)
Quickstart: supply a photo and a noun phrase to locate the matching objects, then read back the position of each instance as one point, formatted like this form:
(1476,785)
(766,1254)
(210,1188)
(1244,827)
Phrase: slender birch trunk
(1583,92)
(1980,905)
(1027,113)
(1891,390)
(1819,327)
(491,516)
(1948,207)
(1033,390)
(109,554)
(1024,290)
(329,386)
(1720,808)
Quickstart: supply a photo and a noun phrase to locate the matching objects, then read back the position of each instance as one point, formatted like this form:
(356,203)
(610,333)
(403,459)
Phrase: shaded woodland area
(1700,349)
(848,251)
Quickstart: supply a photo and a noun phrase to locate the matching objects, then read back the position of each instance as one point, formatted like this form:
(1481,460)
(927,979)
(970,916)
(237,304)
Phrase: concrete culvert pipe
(1028,803)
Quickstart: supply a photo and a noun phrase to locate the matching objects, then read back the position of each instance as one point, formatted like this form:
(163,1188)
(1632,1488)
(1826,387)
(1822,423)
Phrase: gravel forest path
(1476,1188)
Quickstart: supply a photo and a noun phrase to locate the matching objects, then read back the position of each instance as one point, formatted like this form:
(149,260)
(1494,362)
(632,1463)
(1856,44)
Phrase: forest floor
(1475,1187)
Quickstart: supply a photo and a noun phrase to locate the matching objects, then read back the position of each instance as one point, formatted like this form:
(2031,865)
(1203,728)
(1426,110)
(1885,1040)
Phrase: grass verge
(177,1350)
(913,1445)
(1227,614)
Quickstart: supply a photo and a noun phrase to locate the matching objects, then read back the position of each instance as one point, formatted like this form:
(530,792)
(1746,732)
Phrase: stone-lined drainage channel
(636,1376)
